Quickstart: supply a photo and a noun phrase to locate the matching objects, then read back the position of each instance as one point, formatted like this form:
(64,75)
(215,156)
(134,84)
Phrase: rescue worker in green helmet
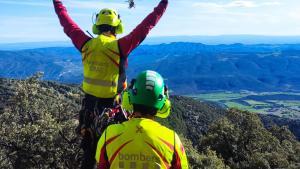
(104,61)
(141,142)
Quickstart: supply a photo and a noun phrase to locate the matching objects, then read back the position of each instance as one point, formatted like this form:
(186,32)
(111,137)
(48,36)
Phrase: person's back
(142,142)
(101,64)
(104,60)
(107,23)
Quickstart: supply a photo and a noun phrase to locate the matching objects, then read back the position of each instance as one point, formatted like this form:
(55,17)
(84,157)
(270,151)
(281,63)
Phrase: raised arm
(132,40)
(78,37)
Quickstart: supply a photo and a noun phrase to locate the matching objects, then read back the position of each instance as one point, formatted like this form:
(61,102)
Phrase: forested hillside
(38,120)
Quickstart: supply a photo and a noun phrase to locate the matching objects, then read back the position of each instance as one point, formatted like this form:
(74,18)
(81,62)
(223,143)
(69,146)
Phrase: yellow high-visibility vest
(101,60)
(140,143)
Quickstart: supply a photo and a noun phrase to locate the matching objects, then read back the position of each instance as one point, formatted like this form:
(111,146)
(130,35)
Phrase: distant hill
(59,64)
(192,67)
(226,39)
(33,45)
(188,67)
(208,40)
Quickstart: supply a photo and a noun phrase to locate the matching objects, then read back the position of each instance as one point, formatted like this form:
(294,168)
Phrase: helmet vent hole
(160,97)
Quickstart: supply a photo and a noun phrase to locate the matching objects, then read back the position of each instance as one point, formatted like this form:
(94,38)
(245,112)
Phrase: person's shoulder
(166,129)
(116,128)
(89,44)
(162,132)
(161,128)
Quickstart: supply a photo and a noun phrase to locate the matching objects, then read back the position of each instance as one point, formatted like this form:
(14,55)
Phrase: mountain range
(208,40)
(189,68)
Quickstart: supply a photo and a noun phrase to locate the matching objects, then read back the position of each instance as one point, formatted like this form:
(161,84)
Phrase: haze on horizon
(35,20)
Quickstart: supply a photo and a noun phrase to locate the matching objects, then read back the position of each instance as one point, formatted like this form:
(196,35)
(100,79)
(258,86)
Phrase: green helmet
(108,17)
(148,90)
(164,112)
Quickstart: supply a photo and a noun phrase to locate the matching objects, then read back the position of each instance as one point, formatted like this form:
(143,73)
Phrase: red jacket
(126,43)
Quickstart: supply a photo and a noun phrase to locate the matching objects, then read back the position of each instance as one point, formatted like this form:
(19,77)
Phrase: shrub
(208,159)
(241,139)
(37,127)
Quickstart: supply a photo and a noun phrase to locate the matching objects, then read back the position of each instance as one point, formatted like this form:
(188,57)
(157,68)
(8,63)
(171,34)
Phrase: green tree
(37,126)
(242,140)
(208,159)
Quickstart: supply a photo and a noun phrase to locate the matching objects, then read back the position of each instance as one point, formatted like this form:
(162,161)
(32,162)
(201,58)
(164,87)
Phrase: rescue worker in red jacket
(142,143)
(104,61)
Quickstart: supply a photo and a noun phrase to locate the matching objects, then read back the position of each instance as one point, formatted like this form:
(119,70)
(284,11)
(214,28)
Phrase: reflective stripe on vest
(99,82)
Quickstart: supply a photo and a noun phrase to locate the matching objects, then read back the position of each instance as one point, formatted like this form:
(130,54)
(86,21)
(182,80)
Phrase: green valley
(283,104)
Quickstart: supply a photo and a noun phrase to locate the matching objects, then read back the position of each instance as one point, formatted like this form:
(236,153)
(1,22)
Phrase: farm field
(283,104)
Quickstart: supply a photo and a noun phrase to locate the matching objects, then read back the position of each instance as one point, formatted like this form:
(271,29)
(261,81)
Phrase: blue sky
(35,20)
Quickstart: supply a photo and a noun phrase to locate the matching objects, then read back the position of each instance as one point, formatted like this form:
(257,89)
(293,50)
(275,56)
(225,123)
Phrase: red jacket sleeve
(132,40)
(78,37)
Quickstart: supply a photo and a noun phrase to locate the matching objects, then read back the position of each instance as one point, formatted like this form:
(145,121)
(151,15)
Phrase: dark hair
(106,28)
(144,110)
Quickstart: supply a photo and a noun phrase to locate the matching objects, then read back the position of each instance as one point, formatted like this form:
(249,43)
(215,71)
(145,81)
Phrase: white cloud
(29,26)
(274,3)
(27,3)
(81,4)
(78,4)
(235,4)
(206,17)
(244,4)
(295,14)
